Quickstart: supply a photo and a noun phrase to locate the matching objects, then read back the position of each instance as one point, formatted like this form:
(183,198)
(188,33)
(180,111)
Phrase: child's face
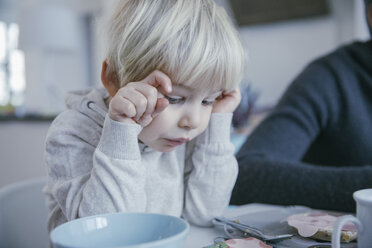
(186,117)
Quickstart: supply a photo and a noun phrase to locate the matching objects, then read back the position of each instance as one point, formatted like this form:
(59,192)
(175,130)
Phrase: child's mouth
(176,142)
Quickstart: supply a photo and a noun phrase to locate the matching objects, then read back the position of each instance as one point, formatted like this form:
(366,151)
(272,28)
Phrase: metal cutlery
(251,231)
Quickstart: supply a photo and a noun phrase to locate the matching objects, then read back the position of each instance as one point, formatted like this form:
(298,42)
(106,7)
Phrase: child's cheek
(204,122)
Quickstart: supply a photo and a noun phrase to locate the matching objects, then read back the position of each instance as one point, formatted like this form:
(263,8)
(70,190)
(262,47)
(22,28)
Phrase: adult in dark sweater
(315,148)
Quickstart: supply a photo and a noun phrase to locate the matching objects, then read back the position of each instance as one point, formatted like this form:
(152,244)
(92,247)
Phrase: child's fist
(227,102)
(138,102)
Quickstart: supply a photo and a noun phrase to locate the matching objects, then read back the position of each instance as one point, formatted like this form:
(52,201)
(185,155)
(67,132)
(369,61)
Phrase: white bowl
(124,230)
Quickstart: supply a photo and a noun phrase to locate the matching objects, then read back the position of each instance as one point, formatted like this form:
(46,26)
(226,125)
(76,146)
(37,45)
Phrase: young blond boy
(156,138)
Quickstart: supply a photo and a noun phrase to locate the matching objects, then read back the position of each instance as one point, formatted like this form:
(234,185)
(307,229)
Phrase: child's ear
(109,79)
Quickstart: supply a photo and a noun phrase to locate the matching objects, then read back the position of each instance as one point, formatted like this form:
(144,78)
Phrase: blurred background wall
(59,49)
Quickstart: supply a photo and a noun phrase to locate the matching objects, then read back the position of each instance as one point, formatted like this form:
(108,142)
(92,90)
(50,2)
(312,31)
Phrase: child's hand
(138,102)
(227,102)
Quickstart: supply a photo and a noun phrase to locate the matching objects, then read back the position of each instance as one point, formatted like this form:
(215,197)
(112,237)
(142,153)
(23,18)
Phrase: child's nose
(190,119)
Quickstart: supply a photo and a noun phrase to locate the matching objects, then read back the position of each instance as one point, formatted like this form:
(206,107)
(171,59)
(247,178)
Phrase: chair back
(23,215)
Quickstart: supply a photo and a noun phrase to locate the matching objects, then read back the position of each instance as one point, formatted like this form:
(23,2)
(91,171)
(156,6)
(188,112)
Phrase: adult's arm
(270,162)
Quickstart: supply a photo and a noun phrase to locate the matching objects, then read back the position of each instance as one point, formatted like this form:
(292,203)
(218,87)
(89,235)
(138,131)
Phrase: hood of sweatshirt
(89,102)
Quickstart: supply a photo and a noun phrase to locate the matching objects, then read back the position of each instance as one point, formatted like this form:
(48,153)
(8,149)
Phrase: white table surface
(200,236)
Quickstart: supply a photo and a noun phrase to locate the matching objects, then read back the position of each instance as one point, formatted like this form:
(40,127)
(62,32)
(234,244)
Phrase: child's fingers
(145,120)
(137,99)
(227,101)
(159,79)
(121,108)
(230,95)
(235,93)
(161,104)
(150,93)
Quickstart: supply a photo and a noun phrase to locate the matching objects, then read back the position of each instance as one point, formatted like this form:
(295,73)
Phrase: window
(12,70)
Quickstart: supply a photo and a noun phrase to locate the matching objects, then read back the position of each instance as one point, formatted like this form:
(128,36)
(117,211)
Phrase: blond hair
(192,41)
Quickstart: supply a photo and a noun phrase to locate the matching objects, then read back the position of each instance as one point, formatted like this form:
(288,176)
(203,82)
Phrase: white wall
(21,150)
(277,52)
(53,39)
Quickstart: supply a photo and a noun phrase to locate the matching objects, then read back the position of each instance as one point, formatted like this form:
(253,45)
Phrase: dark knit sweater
(315,148)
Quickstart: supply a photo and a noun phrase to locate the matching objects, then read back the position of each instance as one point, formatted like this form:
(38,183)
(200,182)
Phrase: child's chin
(165,148)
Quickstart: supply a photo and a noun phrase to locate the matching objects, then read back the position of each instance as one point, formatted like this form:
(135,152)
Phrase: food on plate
(246,243)
(318,225)
(241,243)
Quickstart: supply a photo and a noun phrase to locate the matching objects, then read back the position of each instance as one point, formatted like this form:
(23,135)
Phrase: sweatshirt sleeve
(214,171)
(109,178)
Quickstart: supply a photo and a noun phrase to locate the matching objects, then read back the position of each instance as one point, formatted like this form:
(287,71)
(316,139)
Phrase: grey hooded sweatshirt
(96,165)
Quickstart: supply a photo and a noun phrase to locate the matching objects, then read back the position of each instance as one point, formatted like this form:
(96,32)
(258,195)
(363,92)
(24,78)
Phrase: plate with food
(318,225)
(309,227)
(240,243)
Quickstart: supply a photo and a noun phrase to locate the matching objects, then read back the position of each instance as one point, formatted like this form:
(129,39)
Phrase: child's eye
(207,102)
(174,99)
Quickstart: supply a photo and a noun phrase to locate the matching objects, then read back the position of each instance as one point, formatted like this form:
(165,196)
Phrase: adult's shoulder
(358,47)
(346,57)
(337,66)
